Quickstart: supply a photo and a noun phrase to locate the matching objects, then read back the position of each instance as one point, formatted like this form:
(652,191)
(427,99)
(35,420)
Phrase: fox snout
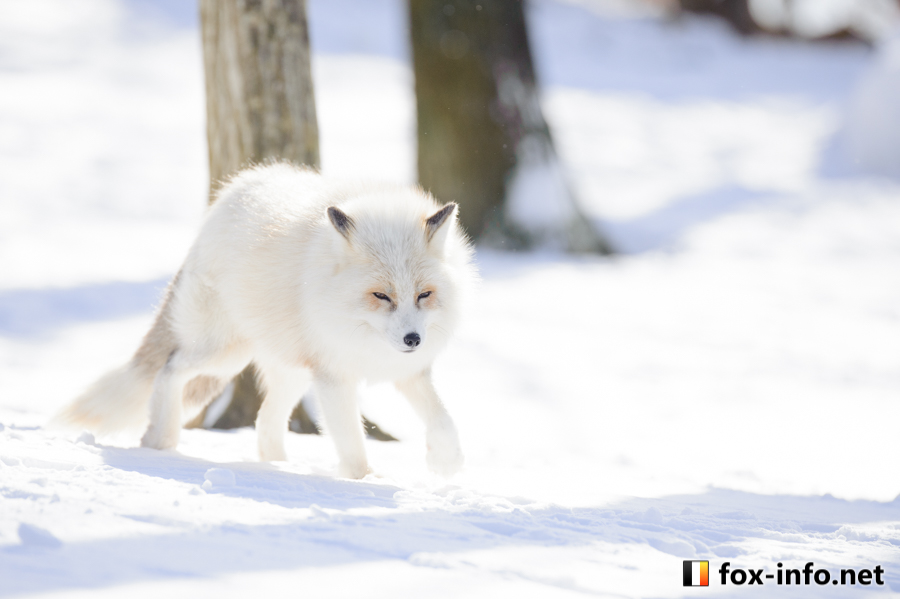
(412,341)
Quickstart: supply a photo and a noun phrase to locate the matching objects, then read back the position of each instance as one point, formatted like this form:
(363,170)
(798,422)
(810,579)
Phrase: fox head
(403,265)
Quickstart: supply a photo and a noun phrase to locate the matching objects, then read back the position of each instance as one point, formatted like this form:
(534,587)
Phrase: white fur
(273,280)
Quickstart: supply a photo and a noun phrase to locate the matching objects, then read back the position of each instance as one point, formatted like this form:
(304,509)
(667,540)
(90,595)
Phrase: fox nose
(412,340)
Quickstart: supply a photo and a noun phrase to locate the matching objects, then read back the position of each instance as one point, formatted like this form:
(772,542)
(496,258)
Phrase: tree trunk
(482,139)
(259,94)
(736,12)
(259,106)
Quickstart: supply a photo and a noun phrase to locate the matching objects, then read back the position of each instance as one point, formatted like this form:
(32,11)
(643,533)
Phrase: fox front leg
(444,455)
(344,423)
(283,388)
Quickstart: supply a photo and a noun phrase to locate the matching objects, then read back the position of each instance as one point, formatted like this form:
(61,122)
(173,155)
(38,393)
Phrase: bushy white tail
(117,402)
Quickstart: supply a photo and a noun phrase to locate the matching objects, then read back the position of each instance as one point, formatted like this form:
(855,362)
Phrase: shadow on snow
(40,312)
(663,228)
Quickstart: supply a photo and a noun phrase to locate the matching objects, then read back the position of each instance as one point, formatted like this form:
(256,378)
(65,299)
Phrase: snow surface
(726,390)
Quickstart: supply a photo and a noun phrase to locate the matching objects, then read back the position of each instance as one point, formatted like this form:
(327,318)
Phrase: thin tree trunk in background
(259,94)
(259,106)
(736,12)
(482,139)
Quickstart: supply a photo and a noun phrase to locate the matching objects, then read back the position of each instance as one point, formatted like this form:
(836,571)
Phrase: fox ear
(439,224)
(342,222)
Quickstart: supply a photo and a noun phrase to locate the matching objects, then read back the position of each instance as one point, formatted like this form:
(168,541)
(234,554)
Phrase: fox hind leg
(167,398)
(166,402)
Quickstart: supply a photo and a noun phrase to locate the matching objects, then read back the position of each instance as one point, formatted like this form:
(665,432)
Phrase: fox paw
(156,438)
(271,452)
(444,456)
(356,469)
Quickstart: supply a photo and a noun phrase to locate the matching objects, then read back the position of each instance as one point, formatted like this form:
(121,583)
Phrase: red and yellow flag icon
(696,573)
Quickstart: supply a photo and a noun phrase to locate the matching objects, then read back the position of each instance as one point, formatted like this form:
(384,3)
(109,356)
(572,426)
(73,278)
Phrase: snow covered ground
(726,390)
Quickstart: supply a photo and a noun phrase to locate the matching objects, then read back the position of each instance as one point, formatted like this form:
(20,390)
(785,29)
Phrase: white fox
(317,282)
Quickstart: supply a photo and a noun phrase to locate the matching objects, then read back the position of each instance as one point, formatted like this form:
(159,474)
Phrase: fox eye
(423,295)
(381,296)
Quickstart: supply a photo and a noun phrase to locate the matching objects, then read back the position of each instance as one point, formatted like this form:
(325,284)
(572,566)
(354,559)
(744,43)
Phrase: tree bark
(259,94)
(259,106)
(482,139)
(736,12)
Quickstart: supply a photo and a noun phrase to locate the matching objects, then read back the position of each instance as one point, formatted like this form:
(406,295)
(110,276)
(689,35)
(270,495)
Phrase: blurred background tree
(736,12)
(259,94)
(482,138)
